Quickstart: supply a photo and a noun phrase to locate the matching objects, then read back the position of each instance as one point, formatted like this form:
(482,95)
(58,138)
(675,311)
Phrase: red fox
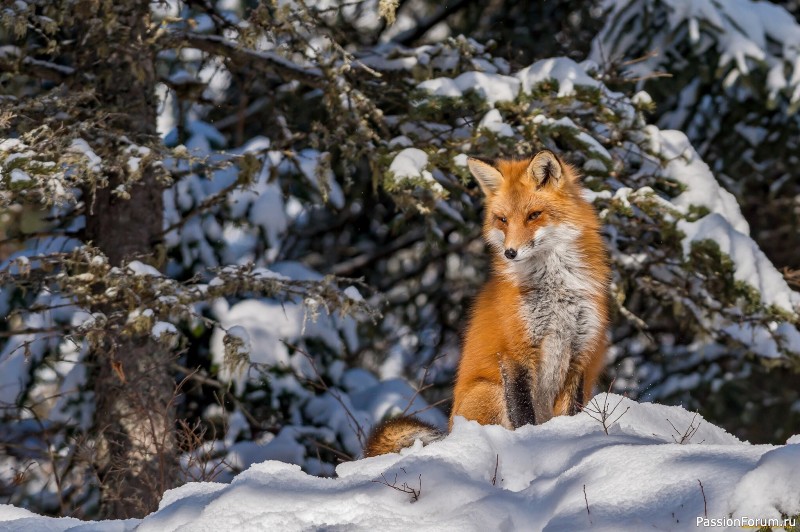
(537,336)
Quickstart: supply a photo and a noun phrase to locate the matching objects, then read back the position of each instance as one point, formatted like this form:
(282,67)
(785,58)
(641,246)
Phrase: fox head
(532,205)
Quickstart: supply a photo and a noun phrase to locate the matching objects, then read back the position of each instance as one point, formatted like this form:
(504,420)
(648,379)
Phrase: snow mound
(568,474)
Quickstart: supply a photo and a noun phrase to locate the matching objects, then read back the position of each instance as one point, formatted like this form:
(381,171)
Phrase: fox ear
(489,177)
(545,168)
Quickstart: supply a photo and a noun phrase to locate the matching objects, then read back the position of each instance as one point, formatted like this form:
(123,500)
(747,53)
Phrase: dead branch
(602,414)
(322,385)
(267,62)
(430,406)
(791,276)
(344,457)
(421,28)
(195,375)
(586,500)
(404,488)
(705,503)
(686,435)
(37,68)
(421,387)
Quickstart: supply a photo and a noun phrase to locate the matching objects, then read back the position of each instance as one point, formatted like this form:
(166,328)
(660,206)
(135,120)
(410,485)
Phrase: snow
(724,224)
(642,98)
(140,268)
(746,35)
(567,72)
(19,176)
(752,266)
(353,293)
(80,146)
(202,136)
(493,88)
(411,163)
(567,474)
(400,141)
(163,327)
(136,154)
(383,399)
(283,448)
(310,164)
(493,121)
(441,87)
(591,144)
(267,325)
(771,487)
(267,210)
(240,334)
(461,160)
(10,144)
(22,352)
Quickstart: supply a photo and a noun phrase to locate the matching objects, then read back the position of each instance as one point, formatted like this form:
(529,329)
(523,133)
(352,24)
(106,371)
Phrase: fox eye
(502,219)
(534,215)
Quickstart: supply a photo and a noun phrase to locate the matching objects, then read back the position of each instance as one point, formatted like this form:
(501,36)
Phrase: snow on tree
(728,75)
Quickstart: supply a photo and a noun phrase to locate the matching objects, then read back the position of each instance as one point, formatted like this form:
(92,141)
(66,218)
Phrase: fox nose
(511,253)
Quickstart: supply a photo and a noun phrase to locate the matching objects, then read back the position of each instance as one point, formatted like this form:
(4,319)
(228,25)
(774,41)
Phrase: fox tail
(394,434)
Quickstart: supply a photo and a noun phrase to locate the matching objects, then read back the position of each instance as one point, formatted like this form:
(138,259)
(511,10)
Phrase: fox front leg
(570,398)
(552,376)
(517,383)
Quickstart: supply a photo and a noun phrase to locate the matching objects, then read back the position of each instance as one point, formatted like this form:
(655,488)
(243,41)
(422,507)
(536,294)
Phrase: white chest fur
(558,305)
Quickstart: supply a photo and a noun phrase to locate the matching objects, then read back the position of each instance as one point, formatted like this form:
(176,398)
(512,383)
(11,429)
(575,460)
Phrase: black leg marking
(517,383)
(577,400)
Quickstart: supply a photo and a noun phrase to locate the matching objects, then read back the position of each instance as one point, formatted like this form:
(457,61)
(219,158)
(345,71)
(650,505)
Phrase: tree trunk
(136,451)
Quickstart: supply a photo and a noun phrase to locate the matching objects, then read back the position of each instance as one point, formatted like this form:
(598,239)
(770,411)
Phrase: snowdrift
(619,465)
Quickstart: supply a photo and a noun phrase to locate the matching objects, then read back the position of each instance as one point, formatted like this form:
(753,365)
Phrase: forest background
(235,231)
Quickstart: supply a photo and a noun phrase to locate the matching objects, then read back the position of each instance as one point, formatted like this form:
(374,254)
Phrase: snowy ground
(568,474)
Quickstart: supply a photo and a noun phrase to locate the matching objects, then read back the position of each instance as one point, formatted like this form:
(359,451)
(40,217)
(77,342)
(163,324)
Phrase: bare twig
(602,414)
(191,439)
(207,204)
(652,75)
(496,464)
(421,28)
(586,500)
(644,57)
(37,68)
(404,488)
(421,387)
(686,435)
(195,375)
(33,330)
(430,406)
(705,503)
(792,276)
(259,60)
(321,384)
(344,457)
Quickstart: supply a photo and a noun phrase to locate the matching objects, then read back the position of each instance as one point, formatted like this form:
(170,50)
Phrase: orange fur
(510,373)
(497,334)
(394,434)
